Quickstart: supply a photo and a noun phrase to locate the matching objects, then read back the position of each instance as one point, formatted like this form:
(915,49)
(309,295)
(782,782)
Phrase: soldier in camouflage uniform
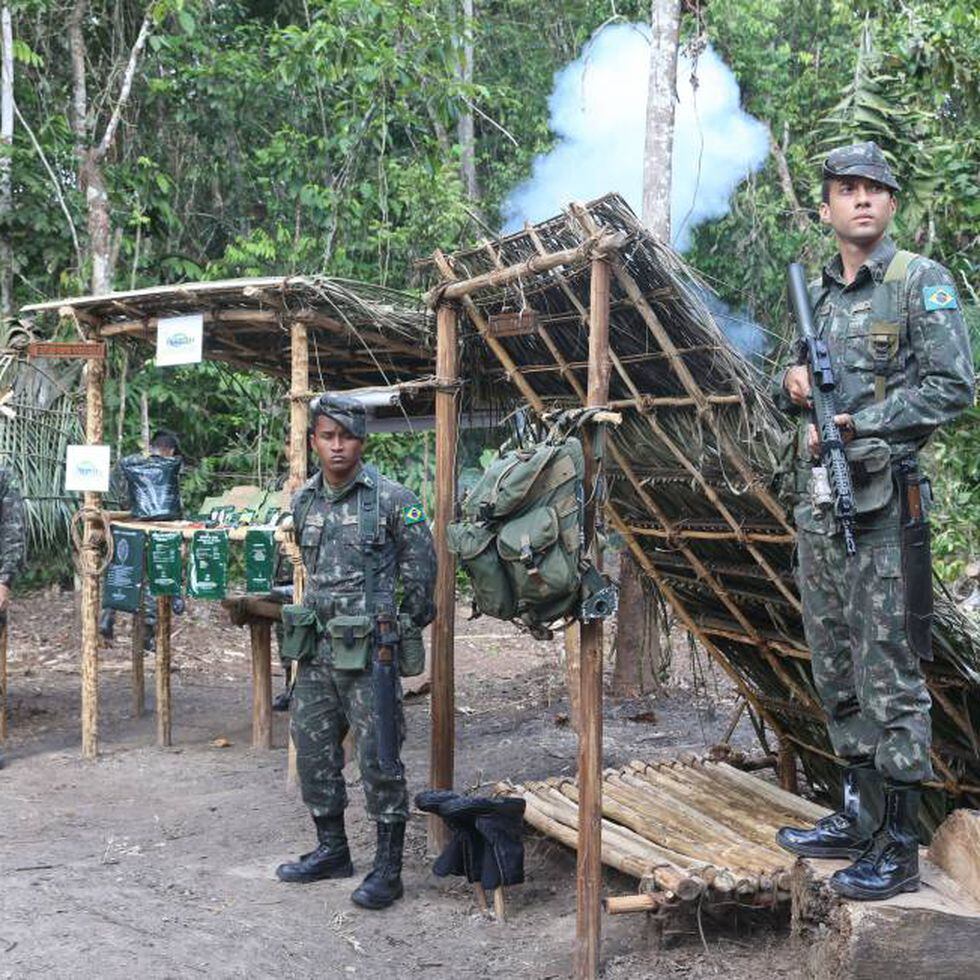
(330,699)
(903,366)
(13,545)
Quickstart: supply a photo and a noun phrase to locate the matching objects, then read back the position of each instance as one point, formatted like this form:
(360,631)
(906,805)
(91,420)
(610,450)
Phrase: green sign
(124,576)
(260,551)
(208,578)
(164,568)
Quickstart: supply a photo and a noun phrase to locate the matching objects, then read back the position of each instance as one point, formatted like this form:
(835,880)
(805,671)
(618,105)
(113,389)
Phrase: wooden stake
(787,767)
(499,905)
(589,879)
(3,679)
(261,637)
(94,375)
(137,655)
(163,671)
(443,734)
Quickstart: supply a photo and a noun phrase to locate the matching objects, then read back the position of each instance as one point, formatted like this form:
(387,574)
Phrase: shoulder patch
(940,297)
(412,514)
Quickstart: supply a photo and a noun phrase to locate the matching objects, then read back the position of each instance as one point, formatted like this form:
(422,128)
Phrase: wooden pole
(443,735)
(88,560)
(261,636)
(589,878)
(138,653)
(787,767)
(299,420)
(163,671)
(3,679)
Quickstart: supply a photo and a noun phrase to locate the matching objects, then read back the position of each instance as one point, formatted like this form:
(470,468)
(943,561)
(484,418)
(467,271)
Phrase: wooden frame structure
(319,333)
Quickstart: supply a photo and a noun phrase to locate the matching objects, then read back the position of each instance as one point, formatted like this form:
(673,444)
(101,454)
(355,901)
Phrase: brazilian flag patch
(940,297)
(412,515)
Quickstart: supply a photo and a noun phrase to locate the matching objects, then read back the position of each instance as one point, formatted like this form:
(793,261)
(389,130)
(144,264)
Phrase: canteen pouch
(871,474)
(916,557)
(300,632)
(351,641)
(411,648)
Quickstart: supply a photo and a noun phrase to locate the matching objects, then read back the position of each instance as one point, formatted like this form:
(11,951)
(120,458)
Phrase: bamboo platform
(696,830)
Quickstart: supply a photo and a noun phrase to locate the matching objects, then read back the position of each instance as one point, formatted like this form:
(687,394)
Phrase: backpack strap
(368,525)
(889,312)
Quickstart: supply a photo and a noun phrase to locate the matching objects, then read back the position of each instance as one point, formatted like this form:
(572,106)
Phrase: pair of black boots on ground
(331,859)
(487,836)
(877,827)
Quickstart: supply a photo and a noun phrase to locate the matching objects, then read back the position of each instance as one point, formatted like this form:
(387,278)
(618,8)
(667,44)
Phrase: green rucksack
(520,539)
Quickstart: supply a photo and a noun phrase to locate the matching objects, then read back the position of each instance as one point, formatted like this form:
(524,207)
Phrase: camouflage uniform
(328,701)
(13,529)
(866,671)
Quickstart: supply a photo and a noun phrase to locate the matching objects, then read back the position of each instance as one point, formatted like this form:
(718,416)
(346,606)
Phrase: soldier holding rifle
(361,535)
(895,365)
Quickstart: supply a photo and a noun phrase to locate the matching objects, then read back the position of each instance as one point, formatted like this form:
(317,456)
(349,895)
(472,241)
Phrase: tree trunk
(99,222)
(665,18)
(639,645)
(465,129)
(6,195)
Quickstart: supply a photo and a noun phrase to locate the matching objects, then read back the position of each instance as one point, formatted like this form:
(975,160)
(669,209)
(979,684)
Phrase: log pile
(693,830)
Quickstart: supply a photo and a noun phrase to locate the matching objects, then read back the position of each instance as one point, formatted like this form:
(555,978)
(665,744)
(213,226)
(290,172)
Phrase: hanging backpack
(521,537)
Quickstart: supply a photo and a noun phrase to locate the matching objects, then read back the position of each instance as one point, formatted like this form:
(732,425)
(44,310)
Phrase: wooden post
(443,736)
(3,679)
(589,878)
(138,653)
(163,670)
(787,767)
(261,633)
(88,563)
(299,421)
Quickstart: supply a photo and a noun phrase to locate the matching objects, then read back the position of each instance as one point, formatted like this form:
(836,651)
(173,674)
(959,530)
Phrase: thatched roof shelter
(691,473)
(359,334)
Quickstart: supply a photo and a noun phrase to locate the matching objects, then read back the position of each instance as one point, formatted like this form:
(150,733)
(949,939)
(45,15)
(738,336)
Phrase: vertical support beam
(3,679)
(787,767)
(163,671)
(261,635)
(443,736)
(88,561)
(589,878)
(299,420)
(138,653)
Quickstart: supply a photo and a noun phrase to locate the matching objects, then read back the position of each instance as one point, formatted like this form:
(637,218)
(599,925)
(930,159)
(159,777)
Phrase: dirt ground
(160,862)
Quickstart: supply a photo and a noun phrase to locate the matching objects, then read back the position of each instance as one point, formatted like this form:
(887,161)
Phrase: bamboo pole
(443,733)
(137,655)
(589,877)
(743,782)
(164,710)
(88,561)
(3,678)
(683,535)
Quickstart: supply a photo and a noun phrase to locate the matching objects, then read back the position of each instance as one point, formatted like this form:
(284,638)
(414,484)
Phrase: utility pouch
(351,640)
(300,632)
(916,559)
(871,474)
(411,648)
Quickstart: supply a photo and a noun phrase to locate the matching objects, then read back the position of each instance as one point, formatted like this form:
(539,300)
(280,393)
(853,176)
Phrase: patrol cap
(860,160)
(344,410)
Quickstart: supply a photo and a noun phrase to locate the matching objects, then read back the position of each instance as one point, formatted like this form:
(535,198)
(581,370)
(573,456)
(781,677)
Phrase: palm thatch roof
(359,334)
(691,473)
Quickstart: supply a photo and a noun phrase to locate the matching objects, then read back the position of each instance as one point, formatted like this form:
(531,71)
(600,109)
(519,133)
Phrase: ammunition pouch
(916,557)
(300,632)
(871,474)
(351,641)
(411,649)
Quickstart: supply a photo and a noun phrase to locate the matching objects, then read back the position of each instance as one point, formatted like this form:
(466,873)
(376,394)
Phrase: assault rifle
(832,478)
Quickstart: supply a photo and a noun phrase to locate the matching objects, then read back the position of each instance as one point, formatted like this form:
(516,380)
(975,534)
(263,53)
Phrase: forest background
(185,139)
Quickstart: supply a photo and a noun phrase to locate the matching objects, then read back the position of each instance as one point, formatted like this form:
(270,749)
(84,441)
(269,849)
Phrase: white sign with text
(87,468)
(180,340)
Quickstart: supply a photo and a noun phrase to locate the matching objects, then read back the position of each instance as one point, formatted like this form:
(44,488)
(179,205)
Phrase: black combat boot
(330,858)
(383,885)
(891,863)
(281,701)
(848,832)
(107,623)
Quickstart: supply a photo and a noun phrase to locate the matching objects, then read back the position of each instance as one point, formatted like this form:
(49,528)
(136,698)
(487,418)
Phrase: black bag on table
(154,486)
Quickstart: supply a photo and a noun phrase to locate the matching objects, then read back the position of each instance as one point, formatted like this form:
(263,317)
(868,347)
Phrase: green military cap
(344,410)
(860,160)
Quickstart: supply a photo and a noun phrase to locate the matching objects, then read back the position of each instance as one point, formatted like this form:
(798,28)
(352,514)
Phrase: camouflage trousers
(327,703)
(869,679)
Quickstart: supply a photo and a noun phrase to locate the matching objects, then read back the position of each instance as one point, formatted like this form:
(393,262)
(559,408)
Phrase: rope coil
(99,518)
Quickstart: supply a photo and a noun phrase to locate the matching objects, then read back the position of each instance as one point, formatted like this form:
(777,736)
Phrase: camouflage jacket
(13,528)
(326,524)
(929,371)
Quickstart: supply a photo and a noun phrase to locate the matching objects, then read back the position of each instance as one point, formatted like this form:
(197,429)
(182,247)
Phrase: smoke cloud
(598,111)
